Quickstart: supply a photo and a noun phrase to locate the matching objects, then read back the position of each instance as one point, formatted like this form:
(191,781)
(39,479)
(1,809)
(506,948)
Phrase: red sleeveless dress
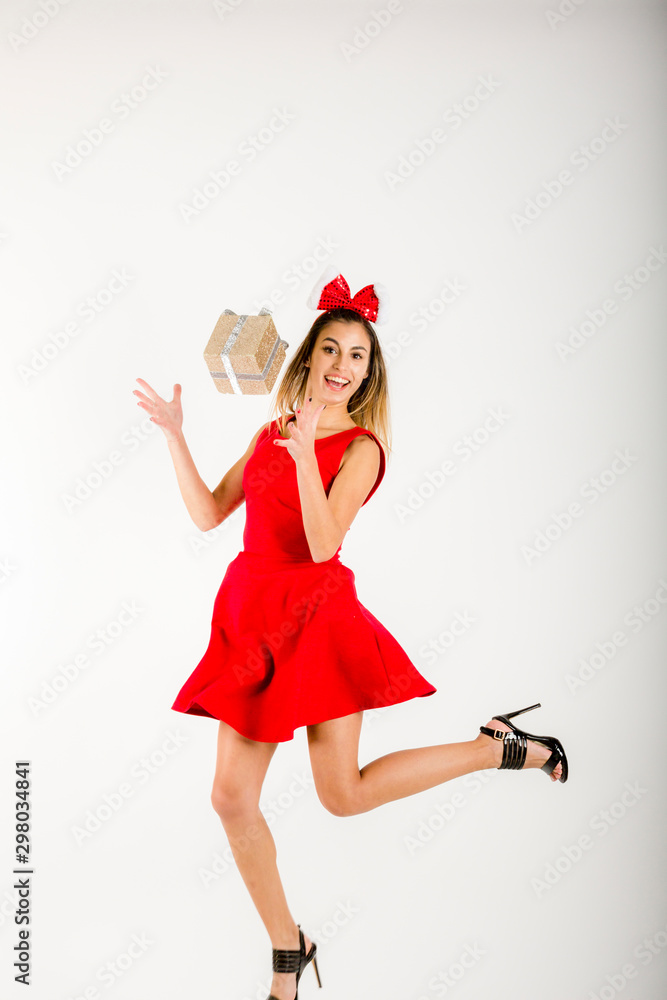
(290,643)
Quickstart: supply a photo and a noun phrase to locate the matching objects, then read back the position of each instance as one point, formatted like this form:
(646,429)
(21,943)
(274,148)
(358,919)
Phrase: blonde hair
(368,406)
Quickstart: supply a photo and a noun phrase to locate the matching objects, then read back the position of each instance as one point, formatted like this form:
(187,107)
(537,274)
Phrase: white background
(501,877)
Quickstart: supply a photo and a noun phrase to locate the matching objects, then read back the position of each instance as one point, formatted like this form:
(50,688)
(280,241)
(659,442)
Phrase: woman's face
(338,363)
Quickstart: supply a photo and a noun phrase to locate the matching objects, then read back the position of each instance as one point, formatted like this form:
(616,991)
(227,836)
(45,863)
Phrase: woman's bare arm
(206,508)
(326,520)
(197,497)
(228,494)
(209,508)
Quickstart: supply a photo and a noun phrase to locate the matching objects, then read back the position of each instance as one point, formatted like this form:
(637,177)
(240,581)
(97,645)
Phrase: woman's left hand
(301,442)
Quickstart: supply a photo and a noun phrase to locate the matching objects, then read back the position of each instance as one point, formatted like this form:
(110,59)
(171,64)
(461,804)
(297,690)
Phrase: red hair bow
(333,292)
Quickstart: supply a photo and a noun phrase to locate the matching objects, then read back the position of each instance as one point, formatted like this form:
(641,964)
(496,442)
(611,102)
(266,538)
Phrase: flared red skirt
(291,645)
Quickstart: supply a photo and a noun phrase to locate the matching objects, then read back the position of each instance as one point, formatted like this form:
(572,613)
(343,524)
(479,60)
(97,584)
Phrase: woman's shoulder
(264,429)
(363,441)
(258,436)
(363,438)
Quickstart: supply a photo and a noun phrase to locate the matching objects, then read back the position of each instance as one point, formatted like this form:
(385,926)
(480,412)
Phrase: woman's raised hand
(168,416)
(301,441)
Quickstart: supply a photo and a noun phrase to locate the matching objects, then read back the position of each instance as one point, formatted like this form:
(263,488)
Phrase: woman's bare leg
(241,767)
(345,789)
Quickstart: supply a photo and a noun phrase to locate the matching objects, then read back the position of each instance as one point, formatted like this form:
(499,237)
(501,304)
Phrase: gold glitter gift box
(244,353)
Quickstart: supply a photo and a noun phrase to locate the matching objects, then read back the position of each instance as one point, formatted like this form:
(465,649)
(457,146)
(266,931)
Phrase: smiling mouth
(335,384)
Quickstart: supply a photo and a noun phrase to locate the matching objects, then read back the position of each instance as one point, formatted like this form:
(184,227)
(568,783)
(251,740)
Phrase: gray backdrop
(500,168)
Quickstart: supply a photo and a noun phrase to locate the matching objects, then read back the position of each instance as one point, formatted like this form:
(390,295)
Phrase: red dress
(290,643)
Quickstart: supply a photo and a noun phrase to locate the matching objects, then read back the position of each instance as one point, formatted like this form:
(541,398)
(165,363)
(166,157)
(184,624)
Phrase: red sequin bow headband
(333,292)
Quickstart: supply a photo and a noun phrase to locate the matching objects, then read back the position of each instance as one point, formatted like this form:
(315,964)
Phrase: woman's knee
(333,747)
(339,800)
(241,766)
(232,801)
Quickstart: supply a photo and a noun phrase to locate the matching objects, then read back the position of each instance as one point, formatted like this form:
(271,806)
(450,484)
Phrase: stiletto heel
(515,744)
(520,711)
(317,972)
(292,960)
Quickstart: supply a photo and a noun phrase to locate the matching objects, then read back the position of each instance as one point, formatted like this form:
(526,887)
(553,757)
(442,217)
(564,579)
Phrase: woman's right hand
(168,416)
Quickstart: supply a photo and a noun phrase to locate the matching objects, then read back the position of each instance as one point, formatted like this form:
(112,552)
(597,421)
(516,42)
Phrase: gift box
(244,353)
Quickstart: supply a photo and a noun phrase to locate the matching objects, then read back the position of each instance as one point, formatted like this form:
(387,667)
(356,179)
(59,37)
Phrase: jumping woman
(290,643)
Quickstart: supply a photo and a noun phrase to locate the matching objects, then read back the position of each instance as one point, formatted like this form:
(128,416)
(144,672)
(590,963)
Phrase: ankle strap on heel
(289,959)
(498,734)
(515,746)
(285,960)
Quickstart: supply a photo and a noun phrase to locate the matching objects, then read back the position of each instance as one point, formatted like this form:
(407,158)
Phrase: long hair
(368,406)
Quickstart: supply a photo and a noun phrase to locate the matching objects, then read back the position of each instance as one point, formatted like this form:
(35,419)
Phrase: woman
(290,643)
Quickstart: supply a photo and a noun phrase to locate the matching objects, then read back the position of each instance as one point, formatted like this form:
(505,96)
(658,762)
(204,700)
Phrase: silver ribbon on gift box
(229,343)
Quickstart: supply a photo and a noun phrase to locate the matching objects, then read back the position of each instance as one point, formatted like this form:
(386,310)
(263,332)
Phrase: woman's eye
(329,348)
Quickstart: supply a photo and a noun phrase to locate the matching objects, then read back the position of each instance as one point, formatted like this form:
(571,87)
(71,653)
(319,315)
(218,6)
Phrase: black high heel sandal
(289,960)
(515,744)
